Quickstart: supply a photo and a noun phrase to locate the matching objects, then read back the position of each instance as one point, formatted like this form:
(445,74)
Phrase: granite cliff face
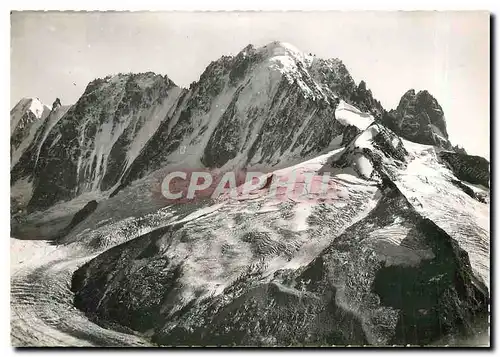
(419,118)
(396,251)
(90,146)
(263,107)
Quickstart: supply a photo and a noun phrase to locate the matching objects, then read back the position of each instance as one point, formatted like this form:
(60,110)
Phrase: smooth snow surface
(350,115)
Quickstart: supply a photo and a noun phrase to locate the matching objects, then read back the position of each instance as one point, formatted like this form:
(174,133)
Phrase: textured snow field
(219,243)
(426,184)
(42,311)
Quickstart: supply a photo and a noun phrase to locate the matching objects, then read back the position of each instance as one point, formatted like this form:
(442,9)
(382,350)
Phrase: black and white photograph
(250,179)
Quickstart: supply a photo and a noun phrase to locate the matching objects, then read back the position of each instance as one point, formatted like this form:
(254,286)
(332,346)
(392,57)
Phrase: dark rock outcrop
(350,132)
(459,149)
(22,130)
(56,104)
(419,118)
(469,191)
(470,168)
(78,217)
(363,99)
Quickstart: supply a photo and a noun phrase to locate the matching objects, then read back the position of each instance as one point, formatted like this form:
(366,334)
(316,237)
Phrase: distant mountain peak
(32,104)
(25,118)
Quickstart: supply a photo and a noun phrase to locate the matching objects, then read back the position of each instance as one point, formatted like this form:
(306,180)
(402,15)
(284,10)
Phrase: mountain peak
(273,48)
(32,104)
(285,54)
(409,93)
(278,49)
(419,118)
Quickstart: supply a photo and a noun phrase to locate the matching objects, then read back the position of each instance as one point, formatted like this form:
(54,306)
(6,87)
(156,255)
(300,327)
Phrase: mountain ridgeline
(263,106)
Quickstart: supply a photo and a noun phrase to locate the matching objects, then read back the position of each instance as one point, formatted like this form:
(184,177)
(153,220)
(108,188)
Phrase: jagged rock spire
(56,104)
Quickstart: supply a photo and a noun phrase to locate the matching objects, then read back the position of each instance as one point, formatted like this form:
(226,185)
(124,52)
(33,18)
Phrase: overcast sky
(56,54)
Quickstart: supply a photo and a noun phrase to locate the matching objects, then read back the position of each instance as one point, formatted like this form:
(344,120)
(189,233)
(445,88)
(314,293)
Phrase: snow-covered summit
(276,50)
(277,55)
(37,107)
(31,104)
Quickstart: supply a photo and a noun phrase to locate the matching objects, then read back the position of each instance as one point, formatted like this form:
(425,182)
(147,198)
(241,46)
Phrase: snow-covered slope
(25,119)
(350,115)
(354,269)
